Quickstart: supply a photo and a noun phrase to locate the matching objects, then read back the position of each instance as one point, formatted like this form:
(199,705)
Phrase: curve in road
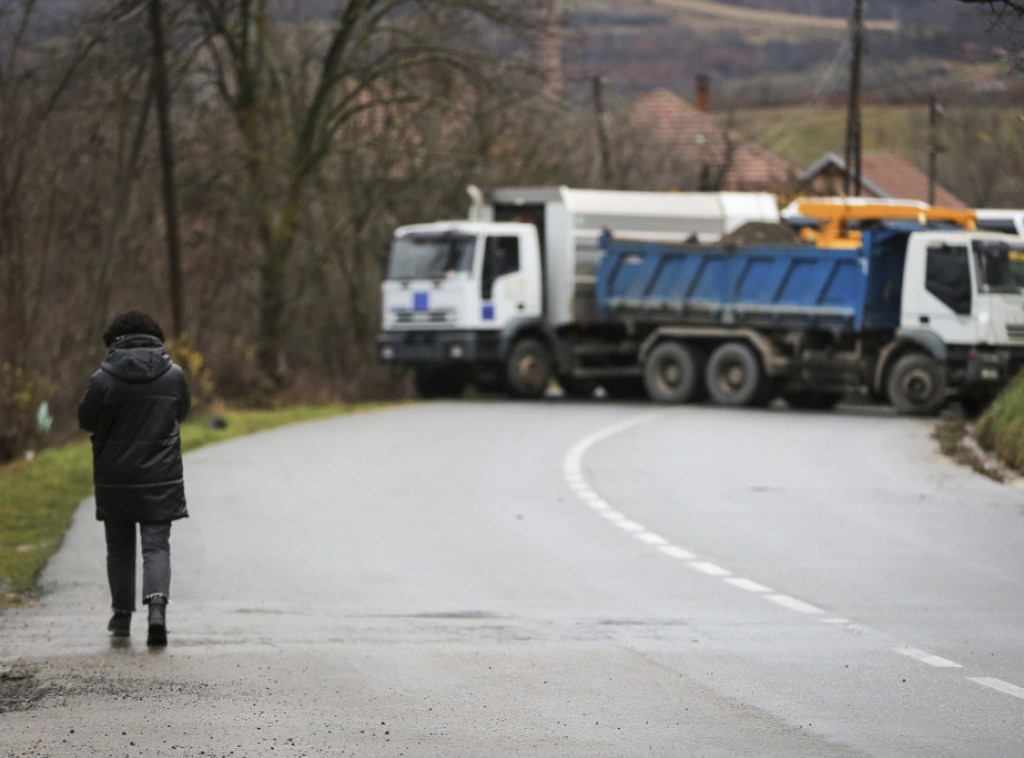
(575,478)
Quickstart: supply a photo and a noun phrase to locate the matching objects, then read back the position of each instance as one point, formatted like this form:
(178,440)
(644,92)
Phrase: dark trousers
(156,562)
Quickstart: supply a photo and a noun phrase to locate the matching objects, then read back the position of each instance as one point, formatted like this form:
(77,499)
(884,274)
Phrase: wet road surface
(556,579)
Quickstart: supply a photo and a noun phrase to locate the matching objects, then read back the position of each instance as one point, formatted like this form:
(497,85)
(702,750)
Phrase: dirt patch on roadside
(21,689)
(955,436)
(24,687)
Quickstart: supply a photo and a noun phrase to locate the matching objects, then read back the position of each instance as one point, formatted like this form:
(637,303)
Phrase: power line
(827,85)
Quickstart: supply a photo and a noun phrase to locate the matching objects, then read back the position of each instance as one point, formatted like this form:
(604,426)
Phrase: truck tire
(734,376)
(439,382)
(917,385)
(528,371)
(673,373)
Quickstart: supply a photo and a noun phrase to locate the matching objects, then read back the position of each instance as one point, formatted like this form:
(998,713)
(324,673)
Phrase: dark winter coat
(132,408)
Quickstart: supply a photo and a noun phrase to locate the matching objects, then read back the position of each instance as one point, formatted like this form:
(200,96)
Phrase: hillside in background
(781,52)
(779,75)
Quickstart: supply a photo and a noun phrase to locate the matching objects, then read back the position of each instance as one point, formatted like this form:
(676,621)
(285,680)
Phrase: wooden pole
(167,164)
(602,134)
(934,148)
(853,125)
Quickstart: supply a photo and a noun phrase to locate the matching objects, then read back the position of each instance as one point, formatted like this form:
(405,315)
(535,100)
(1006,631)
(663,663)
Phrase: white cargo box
(571,222)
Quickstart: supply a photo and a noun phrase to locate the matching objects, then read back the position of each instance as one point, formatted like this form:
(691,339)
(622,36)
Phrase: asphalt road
(552,579)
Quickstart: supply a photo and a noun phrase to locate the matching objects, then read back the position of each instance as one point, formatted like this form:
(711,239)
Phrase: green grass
(1001,427)
(803,135)
(38,496)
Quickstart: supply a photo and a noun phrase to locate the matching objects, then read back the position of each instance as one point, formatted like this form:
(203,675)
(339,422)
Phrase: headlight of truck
(456,351)
(387,353)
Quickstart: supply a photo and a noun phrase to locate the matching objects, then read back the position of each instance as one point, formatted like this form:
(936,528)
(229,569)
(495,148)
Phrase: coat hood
(137,358)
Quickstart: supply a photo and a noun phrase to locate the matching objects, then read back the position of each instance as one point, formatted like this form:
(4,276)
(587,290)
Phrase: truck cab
(452,292)
(963,302)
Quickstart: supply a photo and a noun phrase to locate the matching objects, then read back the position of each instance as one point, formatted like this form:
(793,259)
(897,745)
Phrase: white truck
(911,305)
(505,298)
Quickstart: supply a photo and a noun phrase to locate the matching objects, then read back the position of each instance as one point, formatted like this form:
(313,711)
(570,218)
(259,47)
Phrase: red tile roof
(672,130)
(883,175)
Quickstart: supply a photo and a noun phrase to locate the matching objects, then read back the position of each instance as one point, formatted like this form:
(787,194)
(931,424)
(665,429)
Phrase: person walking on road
(132,409)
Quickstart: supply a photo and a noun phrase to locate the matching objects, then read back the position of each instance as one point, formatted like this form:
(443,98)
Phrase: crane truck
(910,305)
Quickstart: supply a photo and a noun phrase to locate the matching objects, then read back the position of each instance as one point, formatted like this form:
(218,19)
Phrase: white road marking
(652,539)
(710,569)
(574,477)
(677,552)
(795,604)
(631,526)
(926,657)
(1000,685)
(747,584)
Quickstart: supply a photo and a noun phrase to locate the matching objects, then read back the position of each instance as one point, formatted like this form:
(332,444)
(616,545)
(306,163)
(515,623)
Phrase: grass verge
(954,436)
(992,445)
(38,496)
(1001,427)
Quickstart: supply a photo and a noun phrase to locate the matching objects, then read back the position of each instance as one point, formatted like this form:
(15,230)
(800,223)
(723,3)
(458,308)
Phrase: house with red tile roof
(883,175)
(672,144)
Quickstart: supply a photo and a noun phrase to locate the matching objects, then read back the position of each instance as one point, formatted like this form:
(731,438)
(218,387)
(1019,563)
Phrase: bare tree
(992,139)
(291,118)
(1005,14)
(1000,8)
(48,212)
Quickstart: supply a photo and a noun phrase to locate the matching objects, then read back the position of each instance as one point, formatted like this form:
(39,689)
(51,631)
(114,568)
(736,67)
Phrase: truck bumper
(414,348)
(993,367)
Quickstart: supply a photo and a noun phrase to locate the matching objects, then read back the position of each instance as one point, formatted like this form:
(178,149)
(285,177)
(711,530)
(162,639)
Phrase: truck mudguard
(535,326)
(924,340)
(909,340)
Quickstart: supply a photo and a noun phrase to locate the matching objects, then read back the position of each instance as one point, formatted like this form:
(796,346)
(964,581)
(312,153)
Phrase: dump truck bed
(764,286)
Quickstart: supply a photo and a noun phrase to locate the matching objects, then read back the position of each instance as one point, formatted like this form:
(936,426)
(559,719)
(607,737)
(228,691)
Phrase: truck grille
(424,317)
(1015,332)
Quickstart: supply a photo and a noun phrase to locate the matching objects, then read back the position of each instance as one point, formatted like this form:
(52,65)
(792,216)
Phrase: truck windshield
(430,256)
(1000,267)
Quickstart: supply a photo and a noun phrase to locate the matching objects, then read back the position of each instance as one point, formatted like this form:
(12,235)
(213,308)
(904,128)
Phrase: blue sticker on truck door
(420,301)
(488,312)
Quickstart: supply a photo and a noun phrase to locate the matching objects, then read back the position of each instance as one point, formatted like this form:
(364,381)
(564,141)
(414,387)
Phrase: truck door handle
(521,306)
(925,319)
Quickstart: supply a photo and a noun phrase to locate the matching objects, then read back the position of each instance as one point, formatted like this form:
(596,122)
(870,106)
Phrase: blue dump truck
(912,313)
(911,306)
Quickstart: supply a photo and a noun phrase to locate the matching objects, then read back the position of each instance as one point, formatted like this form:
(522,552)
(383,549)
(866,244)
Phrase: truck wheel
(439,382)
(672,373)
(917,385)
(734,375)
(528,371)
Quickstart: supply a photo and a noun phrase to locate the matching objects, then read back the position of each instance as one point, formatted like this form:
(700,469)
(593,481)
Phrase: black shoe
(120,624)
(157,625)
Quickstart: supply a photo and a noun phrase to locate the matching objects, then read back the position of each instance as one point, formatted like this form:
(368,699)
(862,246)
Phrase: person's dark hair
(132,322)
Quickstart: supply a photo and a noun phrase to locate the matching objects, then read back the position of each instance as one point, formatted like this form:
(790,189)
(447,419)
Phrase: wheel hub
(917,386)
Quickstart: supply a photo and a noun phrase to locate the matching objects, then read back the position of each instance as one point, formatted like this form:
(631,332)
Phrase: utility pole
(853,132)
(552,53)
(934,148)
(167,162)
(602,133)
